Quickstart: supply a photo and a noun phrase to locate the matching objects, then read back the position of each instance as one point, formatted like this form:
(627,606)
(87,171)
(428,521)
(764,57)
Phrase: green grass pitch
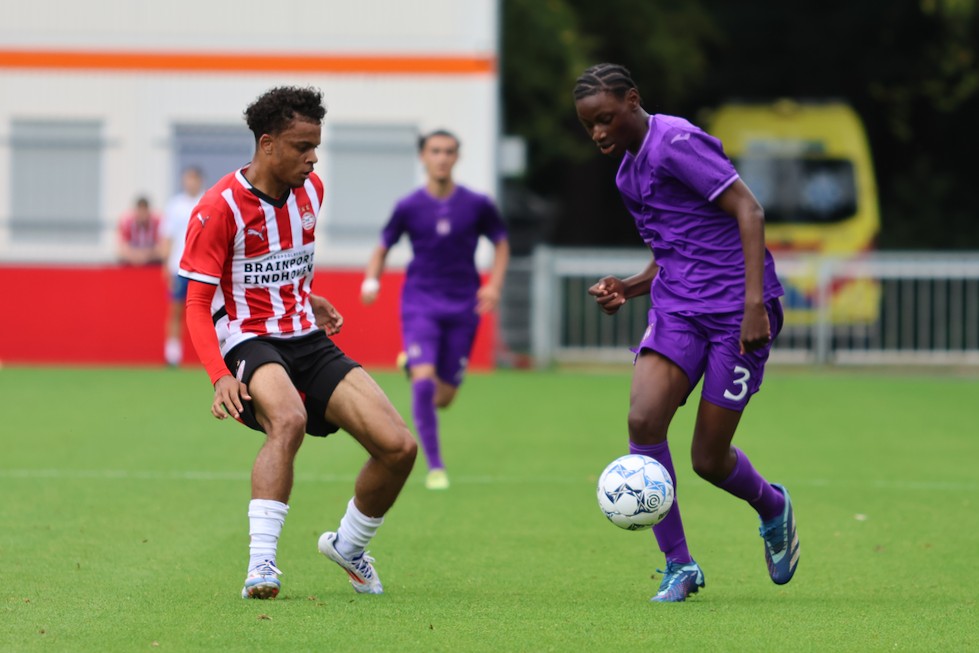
(123,525)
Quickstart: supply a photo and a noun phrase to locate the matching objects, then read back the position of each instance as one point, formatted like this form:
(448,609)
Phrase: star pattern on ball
(635,492)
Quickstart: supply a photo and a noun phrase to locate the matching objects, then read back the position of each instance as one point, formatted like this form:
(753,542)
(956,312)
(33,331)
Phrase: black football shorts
(313,362)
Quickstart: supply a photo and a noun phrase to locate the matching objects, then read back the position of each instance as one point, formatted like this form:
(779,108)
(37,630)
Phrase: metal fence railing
(920,307)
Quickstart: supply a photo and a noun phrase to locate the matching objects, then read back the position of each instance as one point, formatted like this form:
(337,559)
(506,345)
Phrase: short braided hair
(604,77)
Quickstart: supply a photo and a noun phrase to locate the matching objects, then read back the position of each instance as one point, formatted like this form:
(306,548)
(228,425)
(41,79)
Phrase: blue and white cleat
(680,580)
(262,582)
(363,577)
(781,542)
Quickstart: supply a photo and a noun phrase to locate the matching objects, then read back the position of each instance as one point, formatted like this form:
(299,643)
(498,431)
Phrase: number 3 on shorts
(742,383)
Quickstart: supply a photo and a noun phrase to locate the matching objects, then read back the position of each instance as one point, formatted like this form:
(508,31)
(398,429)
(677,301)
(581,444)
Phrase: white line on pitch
(191,475)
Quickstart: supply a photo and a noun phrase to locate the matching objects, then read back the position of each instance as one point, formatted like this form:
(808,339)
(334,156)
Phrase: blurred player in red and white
(250,246)
(139,235)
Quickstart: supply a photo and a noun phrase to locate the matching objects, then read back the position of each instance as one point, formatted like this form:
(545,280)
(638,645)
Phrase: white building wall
(351,26)
(138,108)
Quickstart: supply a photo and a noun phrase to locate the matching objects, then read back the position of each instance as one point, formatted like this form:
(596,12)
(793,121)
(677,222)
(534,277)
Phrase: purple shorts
(708,346)
(442,341)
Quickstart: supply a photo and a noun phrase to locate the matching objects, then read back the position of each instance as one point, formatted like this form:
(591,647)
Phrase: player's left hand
(487,299)
(327,317)
(756,331)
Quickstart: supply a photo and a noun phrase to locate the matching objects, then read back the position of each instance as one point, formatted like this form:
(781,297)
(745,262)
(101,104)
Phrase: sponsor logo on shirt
(251,231)
(203,218)
(443,227)
(277,269)
(680,137)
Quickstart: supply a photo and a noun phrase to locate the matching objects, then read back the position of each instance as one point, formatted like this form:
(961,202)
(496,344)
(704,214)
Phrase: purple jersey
(669,187)
(442,276)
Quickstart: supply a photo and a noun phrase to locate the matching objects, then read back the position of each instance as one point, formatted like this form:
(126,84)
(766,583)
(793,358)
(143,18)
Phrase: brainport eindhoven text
(277,271)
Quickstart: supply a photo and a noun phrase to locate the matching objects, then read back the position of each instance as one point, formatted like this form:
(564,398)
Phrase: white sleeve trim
(723,187)
(204,278)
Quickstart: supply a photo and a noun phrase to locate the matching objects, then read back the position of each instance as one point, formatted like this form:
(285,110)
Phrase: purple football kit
(697,295)
(669,186)
(438,298)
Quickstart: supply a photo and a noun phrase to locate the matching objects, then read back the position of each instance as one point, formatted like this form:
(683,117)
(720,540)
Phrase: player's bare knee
(407,453)
(400,457)
(445,394)
(709,466)
(443,402)
(287,427)
(644,429)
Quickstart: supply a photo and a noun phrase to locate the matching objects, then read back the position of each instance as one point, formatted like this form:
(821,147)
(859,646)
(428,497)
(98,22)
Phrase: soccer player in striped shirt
(442,299)
(249,259)
(715,308)
(139,242)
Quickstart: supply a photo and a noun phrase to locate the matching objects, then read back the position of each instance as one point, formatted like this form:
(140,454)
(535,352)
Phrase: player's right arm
(228,391)
(611,293)
(371,285)
(209,234)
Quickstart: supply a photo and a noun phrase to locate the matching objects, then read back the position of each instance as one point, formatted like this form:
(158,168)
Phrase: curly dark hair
(273,111)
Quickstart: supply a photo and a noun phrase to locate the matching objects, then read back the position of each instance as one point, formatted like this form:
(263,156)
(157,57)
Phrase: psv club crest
(308,217)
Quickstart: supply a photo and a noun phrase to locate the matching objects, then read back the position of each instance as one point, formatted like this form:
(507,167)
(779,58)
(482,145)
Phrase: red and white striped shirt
(259,251)
(140,235)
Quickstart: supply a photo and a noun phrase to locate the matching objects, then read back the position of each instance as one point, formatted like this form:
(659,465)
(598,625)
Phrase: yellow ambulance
(809,164)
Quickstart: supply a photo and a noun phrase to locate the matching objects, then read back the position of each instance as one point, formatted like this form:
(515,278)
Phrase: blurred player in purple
(442,299)
(715,308)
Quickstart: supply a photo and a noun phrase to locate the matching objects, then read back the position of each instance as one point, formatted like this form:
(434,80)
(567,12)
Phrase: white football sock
(173,351)
(356,530)
(265,519)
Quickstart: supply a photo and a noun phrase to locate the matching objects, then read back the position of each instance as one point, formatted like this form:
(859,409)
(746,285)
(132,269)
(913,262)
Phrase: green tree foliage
(927,148)
(909,67)
(546,45)
(543,50)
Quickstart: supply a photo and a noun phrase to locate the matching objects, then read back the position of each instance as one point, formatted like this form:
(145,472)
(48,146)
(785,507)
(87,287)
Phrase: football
(635,492)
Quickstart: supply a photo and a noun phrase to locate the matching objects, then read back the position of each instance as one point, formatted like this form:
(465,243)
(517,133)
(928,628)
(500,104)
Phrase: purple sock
(426,421)
(746,483)
(669,532)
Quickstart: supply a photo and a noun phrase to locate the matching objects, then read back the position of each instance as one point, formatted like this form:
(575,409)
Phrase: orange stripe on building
(213,62)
